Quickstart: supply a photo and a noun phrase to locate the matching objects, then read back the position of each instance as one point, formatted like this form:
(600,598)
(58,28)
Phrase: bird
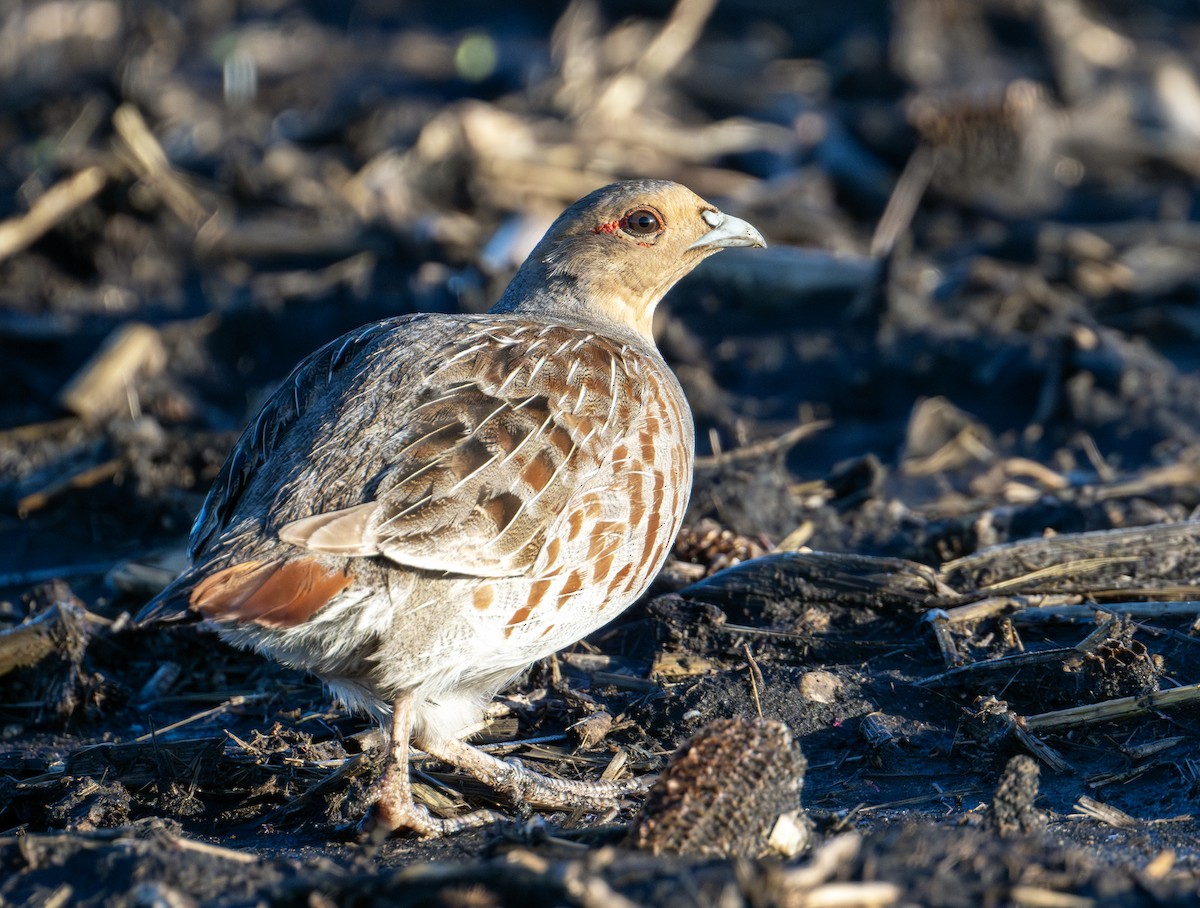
(432,502)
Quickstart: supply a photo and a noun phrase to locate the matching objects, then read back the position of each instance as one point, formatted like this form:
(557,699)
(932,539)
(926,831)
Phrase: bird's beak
(727,231)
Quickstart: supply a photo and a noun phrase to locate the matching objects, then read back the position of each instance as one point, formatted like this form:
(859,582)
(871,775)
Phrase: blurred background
(977,321)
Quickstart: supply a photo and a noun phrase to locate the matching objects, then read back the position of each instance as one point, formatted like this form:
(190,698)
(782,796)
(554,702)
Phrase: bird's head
(611,256)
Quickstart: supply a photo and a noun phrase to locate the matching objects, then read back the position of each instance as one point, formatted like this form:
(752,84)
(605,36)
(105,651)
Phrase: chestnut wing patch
(272,594)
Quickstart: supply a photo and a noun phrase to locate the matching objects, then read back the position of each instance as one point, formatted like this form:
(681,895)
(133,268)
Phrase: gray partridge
(432,502)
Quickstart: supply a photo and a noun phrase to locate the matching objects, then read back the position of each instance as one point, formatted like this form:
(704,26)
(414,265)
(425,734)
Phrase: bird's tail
(172,604)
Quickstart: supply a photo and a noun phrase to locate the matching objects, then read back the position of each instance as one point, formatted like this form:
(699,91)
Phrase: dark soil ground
(977,325)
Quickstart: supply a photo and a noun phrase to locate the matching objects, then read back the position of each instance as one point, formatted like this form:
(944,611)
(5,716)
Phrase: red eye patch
(639,223)
(612,226)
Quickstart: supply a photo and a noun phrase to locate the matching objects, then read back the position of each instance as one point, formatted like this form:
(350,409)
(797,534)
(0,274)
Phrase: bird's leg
(394,808)
(524,786)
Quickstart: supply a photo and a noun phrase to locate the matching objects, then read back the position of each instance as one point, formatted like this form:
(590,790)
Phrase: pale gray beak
(727,231)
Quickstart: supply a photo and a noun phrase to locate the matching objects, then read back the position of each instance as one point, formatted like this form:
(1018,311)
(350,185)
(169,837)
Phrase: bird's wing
(454,455)
(292,404)
(264,455)
(486,453)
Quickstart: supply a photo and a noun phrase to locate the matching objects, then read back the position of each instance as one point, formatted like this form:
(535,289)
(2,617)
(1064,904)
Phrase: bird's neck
(567,298)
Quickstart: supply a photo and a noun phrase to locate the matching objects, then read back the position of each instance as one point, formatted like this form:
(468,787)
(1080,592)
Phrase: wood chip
(50,209)
(1106,814)
(102,387)
(150,161)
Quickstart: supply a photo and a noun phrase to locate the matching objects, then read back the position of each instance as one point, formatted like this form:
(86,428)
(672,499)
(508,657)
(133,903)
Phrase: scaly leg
(394,809)
(524,786)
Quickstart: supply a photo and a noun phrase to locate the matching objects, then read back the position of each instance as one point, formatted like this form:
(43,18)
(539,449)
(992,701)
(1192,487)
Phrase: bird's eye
(642,222)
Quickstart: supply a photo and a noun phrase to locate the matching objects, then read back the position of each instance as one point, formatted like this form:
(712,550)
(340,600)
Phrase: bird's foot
(386,820)
(395,811)
(524,786)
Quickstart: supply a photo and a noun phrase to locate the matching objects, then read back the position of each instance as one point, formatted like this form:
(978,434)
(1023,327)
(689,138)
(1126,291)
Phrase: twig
(755,678)
(29,643)
(50,209)
(101,386)
(999,605)
(1017,661)
(625,682)
(83,479)
(1171,476)
(938,621)
(905,198)
(37,431)
(1096,459)
(323,784)
(60,897)
(625,92)
(918,799)
(773,279)
(1069,569)
(160,682)
(153,166)
(137,763)
(616,765)
(1151,748)
(1111,710)
(231,702)
(1039,897)
(589,890)
(826,861)
(850,895)
(1038,614)
(995,712)
(148,574)
(776,445)
(1110,816)
(1095,563)
(215,851)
